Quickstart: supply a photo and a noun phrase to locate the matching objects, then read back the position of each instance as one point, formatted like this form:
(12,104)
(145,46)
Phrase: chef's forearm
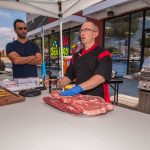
(92,82)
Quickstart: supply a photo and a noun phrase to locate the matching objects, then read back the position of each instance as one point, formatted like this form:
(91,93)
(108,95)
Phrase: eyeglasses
(86,30)
(22,28)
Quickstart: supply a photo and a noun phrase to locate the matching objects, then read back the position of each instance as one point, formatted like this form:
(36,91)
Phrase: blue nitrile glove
(73,91)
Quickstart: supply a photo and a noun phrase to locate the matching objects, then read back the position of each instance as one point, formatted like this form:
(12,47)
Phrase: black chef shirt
(86,63)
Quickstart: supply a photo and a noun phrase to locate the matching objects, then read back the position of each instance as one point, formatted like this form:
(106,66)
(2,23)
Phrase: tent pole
(42,43)
(60,15)
(43,54)
(61,48)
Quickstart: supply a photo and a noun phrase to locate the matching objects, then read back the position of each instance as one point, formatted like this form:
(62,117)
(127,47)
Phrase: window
(116,41)
(147,20)
(54,51)
(75,43)
(123,38)
(147,36)
(135,42)
(65,43)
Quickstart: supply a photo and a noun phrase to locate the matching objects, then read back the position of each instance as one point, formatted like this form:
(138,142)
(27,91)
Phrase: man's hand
(73,91)
(62,82)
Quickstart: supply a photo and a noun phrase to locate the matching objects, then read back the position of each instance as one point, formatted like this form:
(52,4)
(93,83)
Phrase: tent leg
(61,48)
(43,62)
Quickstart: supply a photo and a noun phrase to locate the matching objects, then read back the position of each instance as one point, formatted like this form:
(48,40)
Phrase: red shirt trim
(84,52)
(103,54)
(106,92)
(88,50)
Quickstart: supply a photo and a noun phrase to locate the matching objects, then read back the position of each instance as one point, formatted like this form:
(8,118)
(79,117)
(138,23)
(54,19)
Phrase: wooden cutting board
(8,97)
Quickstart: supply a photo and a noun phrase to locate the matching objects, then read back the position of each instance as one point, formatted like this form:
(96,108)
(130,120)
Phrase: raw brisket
(59,105)
(79,104)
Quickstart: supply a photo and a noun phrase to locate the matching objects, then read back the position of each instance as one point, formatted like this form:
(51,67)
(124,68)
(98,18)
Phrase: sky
(7,18)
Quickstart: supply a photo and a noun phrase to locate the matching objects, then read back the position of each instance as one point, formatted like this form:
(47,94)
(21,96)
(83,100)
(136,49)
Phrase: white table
(34,125)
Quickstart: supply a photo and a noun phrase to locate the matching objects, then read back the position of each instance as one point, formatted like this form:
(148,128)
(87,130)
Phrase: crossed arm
(32,60)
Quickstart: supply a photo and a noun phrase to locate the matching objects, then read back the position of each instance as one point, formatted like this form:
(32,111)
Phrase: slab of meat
(85,104)
(61,106)
(91,108)
(79,97)
(55,94)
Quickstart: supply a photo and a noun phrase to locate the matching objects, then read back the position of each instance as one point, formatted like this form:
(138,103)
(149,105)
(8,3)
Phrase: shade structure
(51,8)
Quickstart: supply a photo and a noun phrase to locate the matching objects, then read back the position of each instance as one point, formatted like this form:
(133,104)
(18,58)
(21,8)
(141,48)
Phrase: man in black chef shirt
(90,67)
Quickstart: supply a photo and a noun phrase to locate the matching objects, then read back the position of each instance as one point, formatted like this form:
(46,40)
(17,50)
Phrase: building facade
(124,31)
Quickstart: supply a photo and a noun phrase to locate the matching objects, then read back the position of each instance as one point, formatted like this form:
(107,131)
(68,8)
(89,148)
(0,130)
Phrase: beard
(22,36)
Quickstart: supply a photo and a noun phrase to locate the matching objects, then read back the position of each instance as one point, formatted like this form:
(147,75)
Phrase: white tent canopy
(51,8)
(101,10)
(104,6)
